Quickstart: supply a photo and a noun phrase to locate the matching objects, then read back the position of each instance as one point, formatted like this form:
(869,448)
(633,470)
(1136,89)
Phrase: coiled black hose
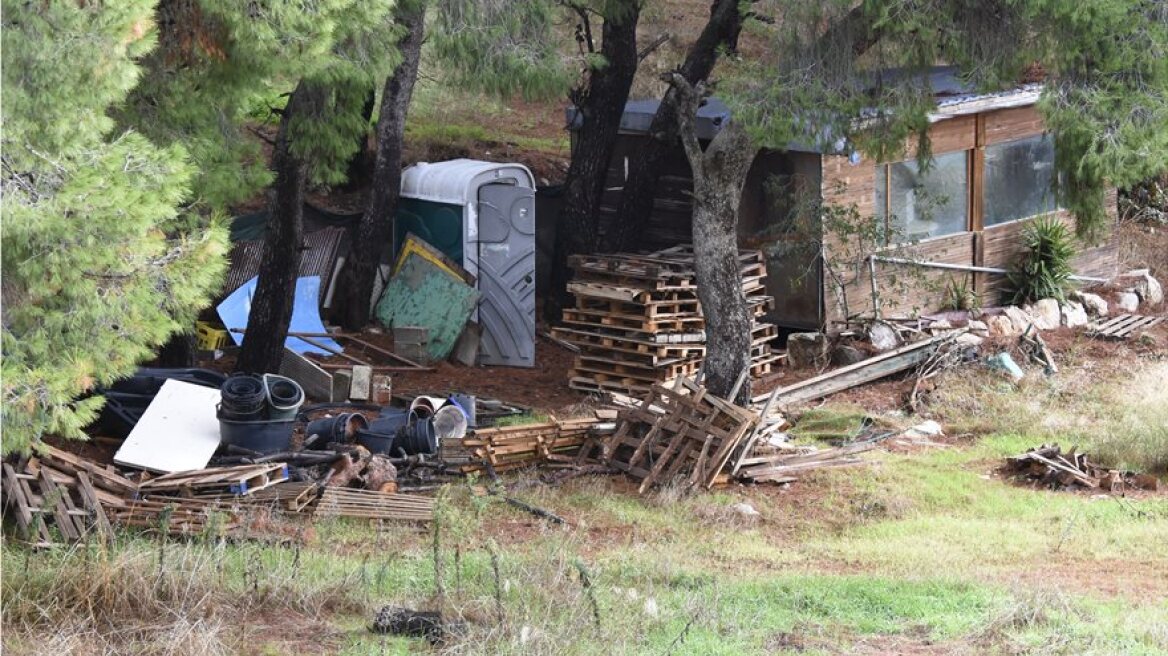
(242,397)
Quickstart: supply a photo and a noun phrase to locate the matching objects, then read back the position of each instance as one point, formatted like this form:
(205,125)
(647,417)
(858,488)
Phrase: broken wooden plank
(866,371)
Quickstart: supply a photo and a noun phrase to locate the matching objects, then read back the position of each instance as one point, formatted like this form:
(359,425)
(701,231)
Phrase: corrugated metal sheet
(319,258)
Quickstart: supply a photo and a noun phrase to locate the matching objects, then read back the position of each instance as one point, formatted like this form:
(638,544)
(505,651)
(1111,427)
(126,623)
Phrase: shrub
(1045,270)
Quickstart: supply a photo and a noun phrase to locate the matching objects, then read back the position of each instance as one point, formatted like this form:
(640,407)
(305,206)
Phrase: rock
(977,326)
(1001,326)
(1020,319)
(1149,290)
(846,354)
(941,324)
(883,336)
(1093,303)
(928,428)
(1127,301)
(807,350)
(1046,314)
(1073,315)
(969,339)
(1002,361)
(745,509)
(651,607)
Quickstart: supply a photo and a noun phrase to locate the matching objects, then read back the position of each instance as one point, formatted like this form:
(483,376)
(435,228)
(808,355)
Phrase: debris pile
(524,445)
(679,433)
(637,319)
(1048,465)
(683,434)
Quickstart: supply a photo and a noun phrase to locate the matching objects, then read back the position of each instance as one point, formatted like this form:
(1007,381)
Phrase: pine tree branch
(649,49)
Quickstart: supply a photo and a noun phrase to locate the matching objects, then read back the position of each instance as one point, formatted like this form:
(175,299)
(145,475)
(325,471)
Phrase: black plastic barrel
(260,436)
(417,438)
(376,442)
(336,429)
(242,398)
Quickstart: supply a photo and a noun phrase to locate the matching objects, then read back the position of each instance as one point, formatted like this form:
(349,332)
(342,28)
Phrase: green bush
(1045,270)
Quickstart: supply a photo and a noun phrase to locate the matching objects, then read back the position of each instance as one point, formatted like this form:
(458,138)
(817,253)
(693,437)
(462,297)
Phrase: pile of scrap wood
(56,496)
(683,435)
(1050,466)
(524,445)
(637,319)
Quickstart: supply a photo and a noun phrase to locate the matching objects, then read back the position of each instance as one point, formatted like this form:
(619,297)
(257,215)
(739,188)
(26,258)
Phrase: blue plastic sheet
(235,309)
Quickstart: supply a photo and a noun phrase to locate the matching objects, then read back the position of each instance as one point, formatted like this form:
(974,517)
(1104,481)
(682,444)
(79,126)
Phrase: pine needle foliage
(1045,269)
(502,48)
(99,267)
(217,58)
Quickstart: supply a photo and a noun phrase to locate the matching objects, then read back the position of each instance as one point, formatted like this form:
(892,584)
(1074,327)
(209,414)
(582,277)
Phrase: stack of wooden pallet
(679,434)
(510,447)
(637,319)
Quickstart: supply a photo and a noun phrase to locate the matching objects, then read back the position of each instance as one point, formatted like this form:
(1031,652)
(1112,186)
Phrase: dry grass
(137,597)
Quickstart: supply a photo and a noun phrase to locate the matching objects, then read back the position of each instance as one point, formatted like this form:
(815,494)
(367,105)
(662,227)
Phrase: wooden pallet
(634,323)
(599,340)
(370,504)
(240,480)
(593,386)
(678,434)
(524,445)
(179,515)
(292,496)
(652,310)
(41,494)
(1123,326)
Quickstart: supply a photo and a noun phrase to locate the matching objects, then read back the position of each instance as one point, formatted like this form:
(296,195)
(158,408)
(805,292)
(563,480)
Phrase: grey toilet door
(507,275)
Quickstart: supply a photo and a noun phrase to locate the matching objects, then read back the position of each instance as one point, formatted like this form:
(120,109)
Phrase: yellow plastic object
(210,338)
(416,246)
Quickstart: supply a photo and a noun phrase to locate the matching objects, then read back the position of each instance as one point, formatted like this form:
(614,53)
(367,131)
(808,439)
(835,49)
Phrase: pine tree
(317,138)
(99,264)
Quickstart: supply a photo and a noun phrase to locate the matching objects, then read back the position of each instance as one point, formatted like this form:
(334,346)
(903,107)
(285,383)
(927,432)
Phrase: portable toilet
(481,215)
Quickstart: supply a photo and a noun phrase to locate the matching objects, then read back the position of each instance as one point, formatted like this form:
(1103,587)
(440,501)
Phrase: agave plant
(1045,270)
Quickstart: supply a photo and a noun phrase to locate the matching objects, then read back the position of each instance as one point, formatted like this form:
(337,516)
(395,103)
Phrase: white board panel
(177,432)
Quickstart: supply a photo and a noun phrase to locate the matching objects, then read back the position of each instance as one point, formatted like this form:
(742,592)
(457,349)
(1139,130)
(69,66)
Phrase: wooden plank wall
(905,289)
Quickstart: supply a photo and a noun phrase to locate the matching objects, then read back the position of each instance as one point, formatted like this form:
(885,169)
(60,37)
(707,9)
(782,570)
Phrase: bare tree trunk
(271,309)
(600,106)
(636,200)
(718,176)
(360,166)
(375,232)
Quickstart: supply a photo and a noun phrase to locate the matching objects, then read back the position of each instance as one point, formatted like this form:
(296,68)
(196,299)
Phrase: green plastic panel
(424,295)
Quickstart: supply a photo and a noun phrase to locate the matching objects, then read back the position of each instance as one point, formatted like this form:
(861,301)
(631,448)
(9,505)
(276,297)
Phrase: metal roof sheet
(318,257)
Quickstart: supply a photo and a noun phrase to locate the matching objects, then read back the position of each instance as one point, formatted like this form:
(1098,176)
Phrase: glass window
(917,205)
(1019,178)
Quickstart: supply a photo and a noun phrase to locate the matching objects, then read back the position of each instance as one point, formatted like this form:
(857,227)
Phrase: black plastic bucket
(376,442)
(260,436)
(340,428)
(285,396)
(242,398)
(417,438)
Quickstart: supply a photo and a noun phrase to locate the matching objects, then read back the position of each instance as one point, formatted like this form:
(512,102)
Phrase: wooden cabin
(946,228)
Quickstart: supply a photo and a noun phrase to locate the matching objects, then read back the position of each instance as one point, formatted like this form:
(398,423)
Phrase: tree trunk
(375,232)
(600,106)
(271,309)
(718,175)
(636,200)
(360,166)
